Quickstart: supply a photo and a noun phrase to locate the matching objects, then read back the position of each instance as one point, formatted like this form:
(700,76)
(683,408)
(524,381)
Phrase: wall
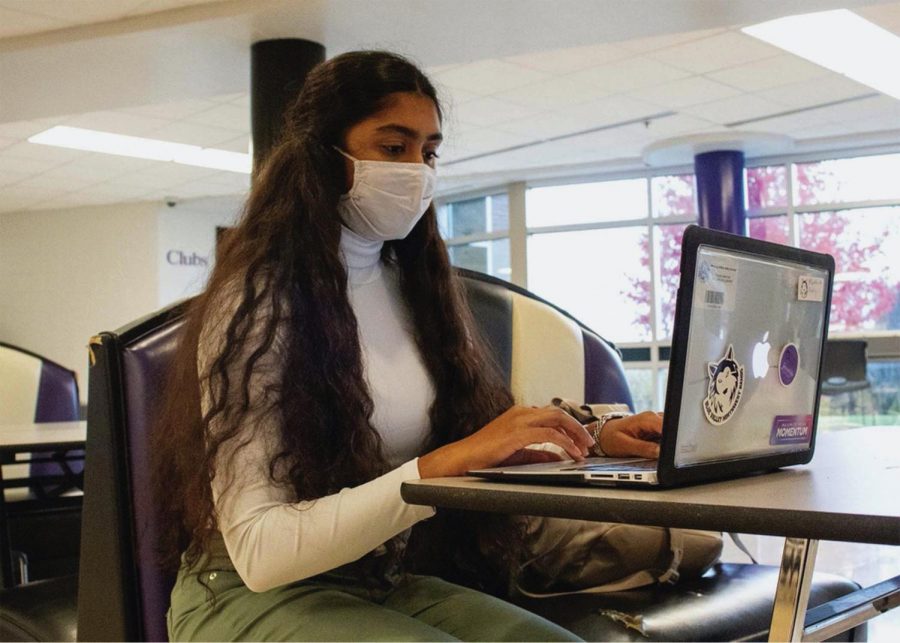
(66,275)
(186,244)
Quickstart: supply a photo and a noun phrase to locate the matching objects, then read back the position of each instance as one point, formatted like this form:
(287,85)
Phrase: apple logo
(761,357)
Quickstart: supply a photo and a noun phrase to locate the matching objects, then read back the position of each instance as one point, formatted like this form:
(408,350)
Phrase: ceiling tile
(644,45)
(243,100)
(488,111)
(24,166)
(474,140)
(23,129)
(768,72)
(788,124)
(116,122)
(98,167)
(564,61)
(61,184)
(9,177)
(629,74)
(716,52)
(49,154)
(608,111)
(826,89)
(226,116)
(738,108)
(165,171)
(173,110)
(685,92)
(555,93)
(191,133)
(6,142)
(239,144)
(489,76)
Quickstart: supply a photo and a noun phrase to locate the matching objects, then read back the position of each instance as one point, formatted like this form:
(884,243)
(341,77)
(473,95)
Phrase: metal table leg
(792,594)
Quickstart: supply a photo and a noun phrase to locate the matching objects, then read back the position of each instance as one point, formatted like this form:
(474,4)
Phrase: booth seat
(122,595)
(44,525)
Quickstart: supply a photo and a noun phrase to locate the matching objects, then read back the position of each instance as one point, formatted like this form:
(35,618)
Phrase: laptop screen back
(754,345)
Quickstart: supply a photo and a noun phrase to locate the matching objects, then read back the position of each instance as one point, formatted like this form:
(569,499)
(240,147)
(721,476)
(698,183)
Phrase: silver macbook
(751,321)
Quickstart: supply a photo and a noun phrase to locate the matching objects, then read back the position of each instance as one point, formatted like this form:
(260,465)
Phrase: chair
(844,375)
(126,597)
(44,525)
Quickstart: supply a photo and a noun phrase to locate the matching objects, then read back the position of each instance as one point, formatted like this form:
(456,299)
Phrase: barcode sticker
(714,287)
(715,297)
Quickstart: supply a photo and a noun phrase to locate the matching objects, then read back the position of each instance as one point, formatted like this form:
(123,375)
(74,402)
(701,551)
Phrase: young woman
(330,358)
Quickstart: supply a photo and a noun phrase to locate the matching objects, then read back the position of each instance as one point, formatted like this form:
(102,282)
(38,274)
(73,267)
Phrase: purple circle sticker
(788,364)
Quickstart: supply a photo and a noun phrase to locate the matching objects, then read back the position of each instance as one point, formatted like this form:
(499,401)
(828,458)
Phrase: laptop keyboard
(642,465)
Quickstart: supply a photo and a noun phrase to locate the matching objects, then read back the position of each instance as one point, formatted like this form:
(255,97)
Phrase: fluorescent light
(841,41)
(89,140)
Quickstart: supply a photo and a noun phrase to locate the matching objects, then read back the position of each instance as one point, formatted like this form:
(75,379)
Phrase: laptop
(751,320)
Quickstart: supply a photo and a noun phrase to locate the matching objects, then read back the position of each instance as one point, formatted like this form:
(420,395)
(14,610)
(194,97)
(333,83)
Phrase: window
(609,251)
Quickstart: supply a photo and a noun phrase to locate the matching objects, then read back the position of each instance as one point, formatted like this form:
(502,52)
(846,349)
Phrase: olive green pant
(330,608)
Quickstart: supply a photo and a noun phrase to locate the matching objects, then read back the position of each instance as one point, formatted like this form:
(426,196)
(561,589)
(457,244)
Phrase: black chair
(844,376)
(844,366)
(123,596)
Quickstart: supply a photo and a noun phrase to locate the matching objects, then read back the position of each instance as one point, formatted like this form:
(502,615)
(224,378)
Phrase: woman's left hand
(633,435)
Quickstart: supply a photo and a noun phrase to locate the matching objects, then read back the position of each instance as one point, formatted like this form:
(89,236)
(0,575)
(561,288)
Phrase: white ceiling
(527,96)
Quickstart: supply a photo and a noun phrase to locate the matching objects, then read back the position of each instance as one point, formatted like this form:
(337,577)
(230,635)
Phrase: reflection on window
(474,216)
(865,245)
(490,257)
(586,203)
(774,229)
(640,383)
(591,274)
(844,180)
(673,195)
(766,187)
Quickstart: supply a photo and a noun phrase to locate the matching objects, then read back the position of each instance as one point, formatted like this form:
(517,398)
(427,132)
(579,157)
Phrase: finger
(640,448)
(531,456)
(562,420)
(538,434)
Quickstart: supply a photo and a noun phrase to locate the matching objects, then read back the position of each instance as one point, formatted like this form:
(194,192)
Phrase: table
(850,492)
(16,439)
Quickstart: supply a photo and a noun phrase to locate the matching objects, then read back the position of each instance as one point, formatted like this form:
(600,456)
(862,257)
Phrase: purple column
(720,190)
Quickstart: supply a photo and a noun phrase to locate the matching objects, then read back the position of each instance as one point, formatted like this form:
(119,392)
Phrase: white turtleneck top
(272,540)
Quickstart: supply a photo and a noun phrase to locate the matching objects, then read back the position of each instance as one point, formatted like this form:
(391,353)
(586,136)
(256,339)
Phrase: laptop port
(639,476)
(603,475)
(623,476)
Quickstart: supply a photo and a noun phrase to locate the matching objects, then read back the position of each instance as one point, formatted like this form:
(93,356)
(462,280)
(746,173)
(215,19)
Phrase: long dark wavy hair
(283,258)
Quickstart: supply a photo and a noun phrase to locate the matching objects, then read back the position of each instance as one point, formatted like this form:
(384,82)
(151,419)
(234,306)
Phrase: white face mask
(387,199)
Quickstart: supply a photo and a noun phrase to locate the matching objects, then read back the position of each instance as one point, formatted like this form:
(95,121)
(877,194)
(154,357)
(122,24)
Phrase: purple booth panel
(57,401)
(604,376)
(144,364)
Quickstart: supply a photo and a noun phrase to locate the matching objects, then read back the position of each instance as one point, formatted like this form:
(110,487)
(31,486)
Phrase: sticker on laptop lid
(715,285)
(791,429)
(788,364)
(810,288)
(726,386)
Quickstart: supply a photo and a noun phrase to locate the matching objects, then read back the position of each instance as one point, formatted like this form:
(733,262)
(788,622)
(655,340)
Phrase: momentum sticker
(726,385)
(791,429)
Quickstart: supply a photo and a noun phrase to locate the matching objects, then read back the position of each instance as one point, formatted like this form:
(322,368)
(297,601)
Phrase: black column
(720,190)
(277,71)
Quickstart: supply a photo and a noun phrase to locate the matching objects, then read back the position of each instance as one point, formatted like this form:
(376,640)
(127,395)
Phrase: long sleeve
(271,540)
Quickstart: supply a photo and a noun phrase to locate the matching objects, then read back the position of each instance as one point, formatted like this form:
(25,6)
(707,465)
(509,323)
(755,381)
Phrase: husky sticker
(726,385)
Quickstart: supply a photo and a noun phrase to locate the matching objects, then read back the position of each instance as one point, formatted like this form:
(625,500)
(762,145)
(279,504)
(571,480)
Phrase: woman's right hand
(505,439)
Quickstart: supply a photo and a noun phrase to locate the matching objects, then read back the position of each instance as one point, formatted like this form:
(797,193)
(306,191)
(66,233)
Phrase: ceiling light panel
(143,148)
(840,41)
